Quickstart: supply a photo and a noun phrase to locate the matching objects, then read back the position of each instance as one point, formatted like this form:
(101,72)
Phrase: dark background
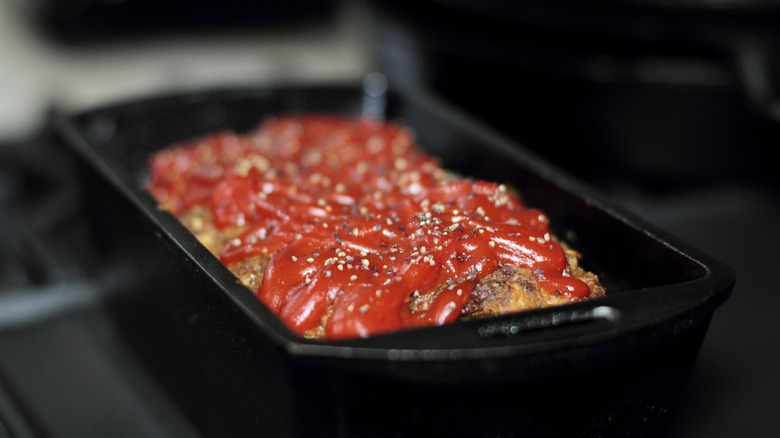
(668,109)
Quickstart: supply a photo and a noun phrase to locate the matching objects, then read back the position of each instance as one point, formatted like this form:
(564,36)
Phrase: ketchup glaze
(357,221)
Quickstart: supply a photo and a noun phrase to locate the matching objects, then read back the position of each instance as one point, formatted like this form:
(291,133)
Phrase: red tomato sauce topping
(356,219)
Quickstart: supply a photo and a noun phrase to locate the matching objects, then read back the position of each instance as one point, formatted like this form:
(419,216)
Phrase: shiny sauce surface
(356,220)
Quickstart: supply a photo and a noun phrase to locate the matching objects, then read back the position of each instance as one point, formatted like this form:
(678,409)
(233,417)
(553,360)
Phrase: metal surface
(669,95)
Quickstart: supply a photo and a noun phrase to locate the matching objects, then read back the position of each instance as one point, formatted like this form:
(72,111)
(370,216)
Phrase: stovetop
(66,372)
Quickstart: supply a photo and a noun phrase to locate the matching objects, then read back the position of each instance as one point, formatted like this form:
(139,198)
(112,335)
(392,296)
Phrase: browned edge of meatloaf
(509,289)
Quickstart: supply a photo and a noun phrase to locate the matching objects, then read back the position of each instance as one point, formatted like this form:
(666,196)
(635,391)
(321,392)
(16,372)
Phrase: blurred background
(668,107)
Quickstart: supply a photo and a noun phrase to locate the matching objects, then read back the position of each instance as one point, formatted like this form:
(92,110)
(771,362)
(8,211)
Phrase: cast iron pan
(606,364)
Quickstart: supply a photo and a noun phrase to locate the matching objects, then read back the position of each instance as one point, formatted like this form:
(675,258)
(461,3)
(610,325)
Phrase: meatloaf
(345,228)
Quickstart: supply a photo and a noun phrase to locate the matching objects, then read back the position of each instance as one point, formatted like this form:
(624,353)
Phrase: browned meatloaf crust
(408,243)
(509,289)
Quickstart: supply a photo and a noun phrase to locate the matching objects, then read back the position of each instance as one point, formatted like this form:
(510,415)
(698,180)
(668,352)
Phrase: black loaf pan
(608,367)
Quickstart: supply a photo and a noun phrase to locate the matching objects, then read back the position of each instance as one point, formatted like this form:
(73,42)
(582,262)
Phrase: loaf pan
(613,366)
